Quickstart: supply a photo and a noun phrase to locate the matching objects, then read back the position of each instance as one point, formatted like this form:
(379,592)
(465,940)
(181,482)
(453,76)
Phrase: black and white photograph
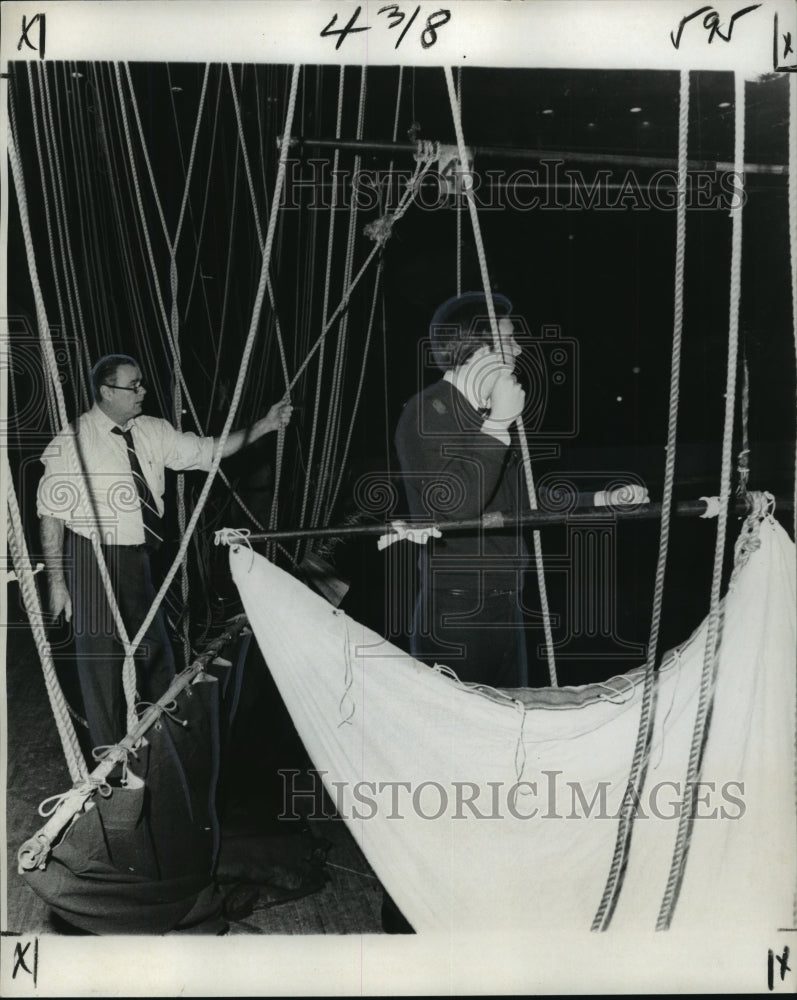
(398,479)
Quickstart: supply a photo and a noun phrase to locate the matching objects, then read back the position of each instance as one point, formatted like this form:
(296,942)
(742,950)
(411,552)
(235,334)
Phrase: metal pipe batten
(569,155)
(496,521)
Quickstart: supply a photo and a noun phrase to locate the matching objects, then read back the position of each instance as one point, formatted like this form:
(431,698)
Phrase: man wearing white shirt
(106,473)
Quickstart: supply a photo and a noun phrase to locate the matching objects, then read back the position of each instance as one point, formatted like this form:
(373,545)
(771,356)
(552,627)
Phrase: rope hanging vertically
(273,514)
(46,203)
(247,352)
(329,450)
(174,325)
(467,185)
(62,222)
(30,596)
(714,627)
(51,365)
(325,303)
(153,271)
(639,764)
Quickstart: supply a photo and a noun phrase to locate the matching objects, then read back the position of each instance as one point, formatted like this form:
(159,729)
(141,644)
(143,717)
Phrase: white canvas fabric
(484,814)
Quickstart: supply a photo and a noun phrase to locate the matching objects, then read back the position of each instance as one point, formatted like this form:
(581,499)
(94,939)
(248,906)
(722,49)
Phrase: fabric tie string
(149,512)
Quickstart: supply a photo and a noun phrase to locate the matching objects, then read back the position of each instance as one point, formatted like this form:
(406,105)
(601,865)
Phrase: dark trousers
(478,634)
(99,653)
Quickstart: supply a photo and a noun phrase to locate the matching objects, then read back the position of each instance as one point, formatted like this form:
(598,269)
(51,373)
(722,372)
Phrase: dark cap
(455,332)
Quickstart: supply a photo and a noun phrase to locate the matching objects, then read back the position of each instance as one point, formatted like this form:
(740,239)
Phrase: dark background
(604,276)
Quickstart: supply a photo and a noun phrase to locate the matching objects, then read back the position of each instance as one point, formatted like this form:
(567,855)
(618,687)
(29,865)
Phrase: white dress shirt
(92,484)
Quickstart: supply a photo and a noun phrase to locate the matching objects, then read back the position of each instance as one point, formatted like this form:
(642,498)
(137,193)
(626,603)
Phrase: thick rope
(467,184)
(30,596)
(710,657)
(647,714)
(52,366)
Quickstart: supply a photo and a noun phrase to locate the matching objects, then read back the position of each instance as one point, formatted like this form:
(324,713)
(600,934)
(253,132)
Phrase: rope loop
(232,536)
(46,810)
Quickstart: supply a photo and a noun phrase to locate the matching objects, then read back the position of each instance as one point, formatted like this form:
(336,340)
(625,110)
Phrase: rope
(79,180)
(30,596)
(181,379)
(710,658)
(743,458)
(641,756)
(335,404)
(175,328)
(256,215)
(144,150)
(73,296)
(52,405)
(45,200)
(406,201)
(278,332)
(467,184)
(358,394)
(238,391)
(198,236)
(325,305)
(52,367)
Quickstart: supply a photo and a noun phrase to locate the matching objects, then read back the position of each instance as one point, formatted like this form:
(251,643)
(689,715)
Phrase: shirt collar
(104,421)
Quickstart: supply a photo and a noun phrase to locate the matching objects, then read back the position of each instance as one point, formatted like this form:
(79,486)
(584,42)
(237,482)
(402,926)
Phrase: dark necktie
(149,512)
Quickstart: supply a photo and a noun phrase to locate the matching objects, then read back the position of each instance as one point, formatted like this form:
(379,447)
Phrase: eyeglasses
(136,387)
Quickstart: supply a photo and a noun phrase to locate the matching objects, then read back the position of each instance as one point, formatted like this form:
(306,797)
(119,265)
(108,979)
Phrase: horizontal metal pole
(570,155)
(498,521)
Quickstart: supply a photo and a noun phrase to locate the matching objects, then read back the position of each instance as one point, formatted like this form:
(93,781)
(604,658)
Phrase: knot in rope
(381,229)
(761,504)
(101,753)
(169,710)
